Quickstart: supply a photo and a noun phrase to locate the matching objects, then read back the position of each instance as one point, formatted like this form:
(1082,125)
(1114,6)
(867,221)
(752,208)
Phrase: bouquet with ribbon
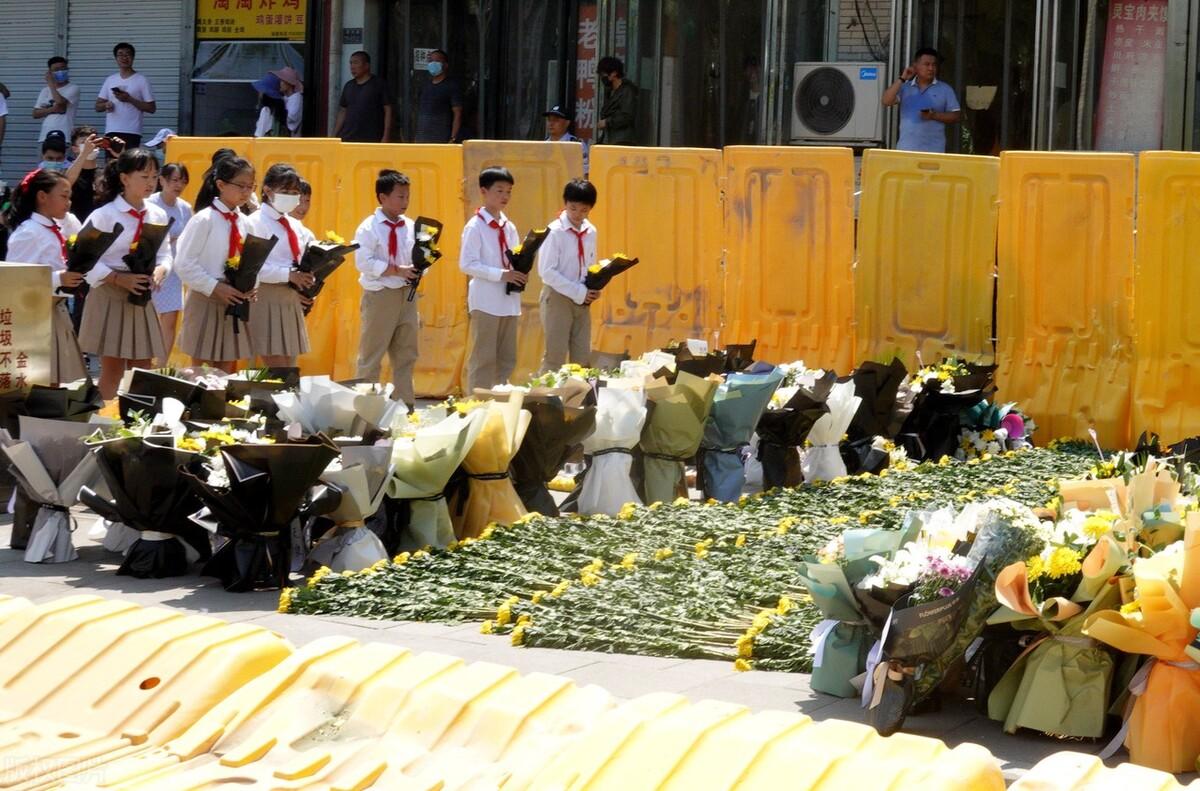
(674,427)
(1162,724)
(822,461)
(794,410)
(147,480)
(841,641)
(522,257)
(427,232)
(51,464)
(146,391)
(241,273)
(736,409)
(423,460)
(600,274)
(85,248)
(362,476)
(490,496)
(620,416)
(555,432)
(321,259)
(265,487)
(143,254)
(1060,683)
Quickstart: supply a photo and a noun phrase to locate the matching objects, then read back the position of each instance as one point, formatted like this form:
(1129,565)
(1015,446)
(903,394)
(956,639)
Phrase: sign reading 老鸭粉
(274,20)
(25,306)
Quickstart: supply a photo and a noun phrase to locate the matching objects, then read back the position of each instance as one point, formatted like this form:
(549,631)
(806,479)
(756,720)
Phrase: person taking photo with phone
(125,98)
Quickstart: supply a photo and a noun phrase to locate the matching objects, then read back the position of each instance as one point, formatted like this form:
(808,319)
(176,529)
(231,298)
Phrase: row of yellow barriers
(1035,250)
(98,694)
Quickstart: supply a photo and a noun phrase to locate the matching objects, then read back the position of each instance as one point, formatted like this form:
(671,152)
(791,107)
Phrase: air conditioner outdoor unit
(837,102)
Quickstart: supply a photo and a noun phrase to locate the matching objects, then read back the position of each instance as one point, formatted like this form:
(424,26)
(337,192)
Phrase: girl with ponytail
(122,334)
(212,237)
(43,222)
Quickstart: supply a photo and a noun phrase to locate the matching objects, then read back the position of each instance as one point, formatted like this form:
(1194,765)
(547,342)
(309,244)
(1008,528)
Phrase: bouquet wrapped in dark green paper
(147,478)
(142,259)
(555,432)
(601,273)
(522,257)
(241,273)
(85,248)
(427,232)
(321,259)
(266,487)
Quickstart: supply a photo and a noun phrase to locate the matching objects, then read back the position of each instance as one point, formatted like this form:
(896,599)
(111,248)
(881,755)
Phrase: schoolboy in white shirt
(487,237)
(563,261)
(390,322)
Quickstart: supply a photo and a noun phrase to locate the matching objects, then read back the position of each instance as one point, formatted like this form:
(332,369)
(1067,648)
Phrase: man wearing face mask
(57,102)
(440,109)
(620,108)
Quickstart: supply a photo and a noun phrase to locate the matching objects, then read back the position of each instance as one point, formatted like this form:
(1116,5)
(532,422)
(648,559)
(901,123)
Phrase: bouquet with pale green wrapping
(673,430)
(1061,683)
(424,457)
(840,642)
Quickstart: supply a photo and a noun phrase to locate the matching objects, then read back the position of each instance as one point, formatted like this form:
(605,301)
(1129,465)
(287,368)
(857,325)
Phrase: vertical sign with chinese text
(1129,113)
(265,20)
(25,305)
(587,56)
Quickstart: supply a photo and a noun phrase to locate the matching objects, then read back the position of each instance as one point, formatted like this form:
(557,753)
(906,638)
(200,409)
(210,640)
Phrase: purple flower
(946,592)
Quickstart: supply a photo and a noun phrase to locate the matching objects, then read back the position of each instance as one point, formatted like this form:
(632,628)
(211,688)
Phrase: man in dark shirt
(366,106)
(619,109)
(439,112)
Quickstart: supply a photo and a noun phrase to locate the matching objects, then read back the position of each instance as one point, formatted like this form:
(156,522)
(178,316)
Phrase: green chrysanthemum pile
(682,579)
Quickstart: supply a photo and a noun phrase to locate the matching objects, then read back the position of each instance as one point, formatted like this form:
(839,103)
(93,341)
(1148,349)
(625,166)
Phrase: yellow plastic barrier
(196,153)
(541,170)
(926,256)
(662,205)
(1067,771)
(11,605)
(1166,388)
(1064,312)
(85,681)
(789,229)
(436,175)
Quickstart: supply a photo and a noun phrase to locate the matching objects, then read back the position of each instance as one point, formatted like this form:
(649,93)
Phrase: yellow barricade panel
(86,680)
(436,192)
(789,230)
(196,154)
(926,256)
(1064,301)
(316,159)
(541,170)
(1067,771)
(1166,386)
(662,205)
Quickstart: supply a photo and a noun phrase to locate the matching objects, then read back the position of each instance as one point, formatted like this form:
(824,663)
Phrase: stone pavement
(623,675)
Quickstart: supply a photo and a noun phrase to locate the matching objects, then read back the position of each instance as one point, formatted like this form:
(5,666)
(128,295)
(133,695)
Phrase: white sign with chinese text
(25,329)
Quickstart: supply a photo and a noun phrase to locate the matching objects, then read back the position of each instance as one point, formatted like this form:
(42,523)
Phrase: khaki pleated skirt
(277,322)
(208,334)
(112,327)
(66,358)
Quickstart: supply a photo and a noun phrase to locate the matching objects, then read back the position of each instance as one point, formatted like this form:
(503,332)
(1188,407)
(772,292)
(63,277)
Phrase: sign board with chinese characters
(253,20)
(1129,113)
(421,57)
(587,56)
(25,305)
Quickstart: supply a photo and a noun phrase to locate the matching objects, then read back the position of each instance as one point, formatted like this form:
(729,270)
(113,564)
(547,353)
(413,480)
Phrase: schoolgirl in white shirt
(122,334)
(214,236)
(44,223)
(277,331)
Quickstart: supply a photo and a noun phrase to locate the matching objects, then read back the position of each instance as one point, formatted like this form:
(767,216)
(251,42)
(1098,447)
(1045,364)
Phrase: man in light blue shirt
(558,122)
(927,106)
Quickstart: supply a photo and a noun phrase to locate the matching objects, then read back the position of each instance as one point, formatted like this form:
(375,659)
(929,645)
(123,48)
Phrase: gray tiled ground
(625,676)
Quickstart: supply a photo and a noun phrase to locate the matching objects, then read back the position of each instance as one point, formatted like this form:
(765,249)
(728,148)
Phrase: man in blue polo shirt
(927,106)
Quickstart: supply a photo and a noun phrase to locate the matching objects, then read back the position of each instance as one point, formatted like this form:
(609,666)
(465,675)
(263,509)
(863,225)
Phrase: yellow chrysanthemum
(1131,607)
(400,559)
(595,269)
(503,614)
(560,589)
(232,262)
(745,646)
(330,236)
(664,553)
(518,635)
(627,511)
(285,600)
(1063,562)
(839,520)
(318,575)
(740,541)
(629,561)
(1034,568)
(485,627)
(1099,524)
(537,597)
(742,665)
(784,606)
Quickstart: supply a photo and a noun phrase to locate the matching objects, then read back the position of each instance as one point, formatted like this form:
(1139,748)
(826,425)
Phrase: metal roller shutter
(26,41)
(153,27)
